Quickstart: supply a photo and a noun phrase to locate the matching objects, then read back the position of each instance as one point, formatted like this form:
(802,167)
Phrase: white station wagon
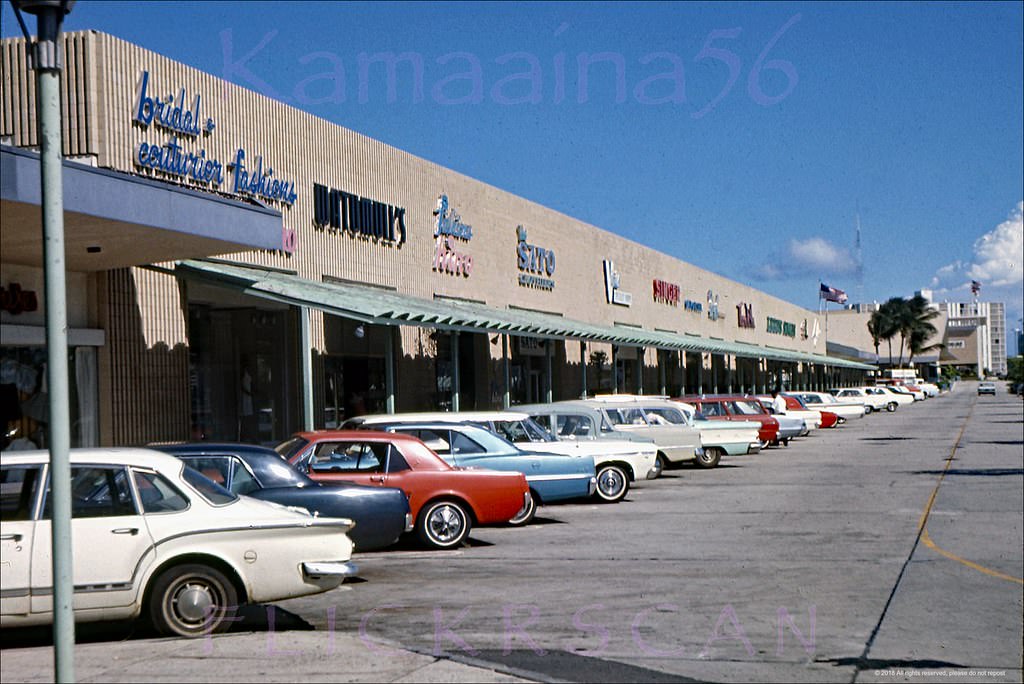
(152,536)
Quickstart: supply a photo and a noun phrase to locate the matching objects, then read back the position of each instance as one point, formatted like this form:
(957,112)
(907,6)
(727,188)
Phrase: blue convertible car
(552,477)
(381,514)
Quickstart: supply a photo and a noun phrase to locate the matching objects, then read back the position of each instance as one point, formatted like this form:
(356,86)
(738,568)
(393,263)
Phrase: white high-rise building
(989,321)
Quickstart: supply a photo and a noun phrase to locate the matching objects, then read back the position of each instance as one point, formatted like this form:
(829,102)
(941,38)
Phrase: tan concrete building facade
(191,349)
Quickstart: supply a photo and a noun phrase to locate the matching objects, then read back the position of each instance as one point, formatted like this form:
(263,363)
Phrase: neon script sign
(173,115)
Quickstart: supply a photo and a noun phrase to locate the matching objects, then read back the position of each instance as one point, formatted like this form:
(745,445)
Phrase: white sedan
(152,536)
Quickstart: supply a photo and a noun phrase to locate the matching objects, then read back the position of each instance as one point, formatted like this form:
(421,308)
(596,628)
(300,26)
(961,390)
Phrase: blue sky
(743,138)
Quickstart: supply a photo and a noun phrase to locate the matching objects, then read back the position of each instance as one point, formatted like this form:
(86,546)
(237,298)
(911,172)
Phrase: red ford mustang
(446,502)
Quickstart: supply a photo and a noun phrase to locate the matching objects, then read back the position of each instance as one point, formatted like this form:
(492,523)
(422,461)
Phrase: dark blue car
(381,514)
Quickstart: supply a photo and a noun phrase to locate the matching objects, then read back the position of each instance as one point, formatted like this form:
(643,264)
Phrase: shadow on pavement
(880,664)
(973,472)
(252,618)
(570,667)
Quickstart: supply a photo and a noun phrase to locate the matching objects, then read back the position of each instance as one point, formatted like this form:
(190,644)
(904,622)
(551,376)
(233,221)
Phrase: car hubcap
(193,603)
(610,482)
(445,524)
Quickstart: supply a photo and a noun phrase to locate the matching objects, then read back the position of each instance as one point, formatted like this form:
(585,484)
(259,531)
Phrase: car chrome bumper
(409,522)
(754,448)
(320,569)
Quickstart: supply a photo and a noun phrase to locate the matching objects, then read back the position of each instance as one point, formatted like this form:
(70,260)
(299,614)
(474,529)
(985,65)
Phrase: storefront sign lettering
(779,327)
(612,286)
(534,260)
(171,158)
(713,306)
(745,315)
(170,115)
(15,300)
(449,260)
(690,305)
(449,222)
(356,215)
(667,293)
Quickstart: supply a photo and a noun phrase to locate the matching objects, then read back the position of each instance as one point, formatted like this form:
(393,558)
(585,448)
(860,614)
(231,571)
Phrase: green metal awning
(386,307)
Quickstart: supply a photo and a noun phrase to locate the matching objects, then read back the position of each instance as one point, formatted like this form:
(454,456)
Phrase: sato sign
(534,263)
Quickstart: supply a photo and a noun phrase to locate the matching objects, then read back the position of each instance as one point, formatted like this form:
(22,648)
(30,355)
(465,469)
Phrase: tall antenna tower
(860,264)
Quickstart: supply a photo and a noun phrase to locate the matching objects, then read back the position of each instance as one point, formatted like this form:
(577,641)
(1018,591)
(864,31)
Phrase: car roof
(442,416)
(435,425)
(364,435)
(716,397)
(134,456)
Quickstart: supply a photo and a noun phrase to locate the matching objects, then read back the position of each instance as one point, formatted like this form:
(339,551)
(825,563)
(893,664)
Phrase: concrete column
(389,369)
(455,371)
(506,398)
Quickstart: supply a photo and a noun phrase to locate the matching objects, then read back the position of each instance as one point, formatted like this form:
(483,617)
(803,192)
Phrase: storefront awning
(380,306)
(114,219)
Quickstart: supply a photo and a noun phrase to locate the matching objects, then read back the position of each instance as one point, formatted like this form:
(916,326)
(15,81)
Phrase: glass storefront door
(242,375)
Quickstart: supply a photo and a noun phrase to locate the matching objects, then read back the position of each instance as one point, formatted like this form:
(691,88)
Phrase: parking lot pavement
(806,563)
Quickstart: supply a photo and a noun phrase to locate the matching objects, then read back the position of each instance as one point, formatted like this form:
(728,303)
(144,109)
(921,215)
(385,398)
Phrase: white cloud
(995,263)
(998,253)
(810,257)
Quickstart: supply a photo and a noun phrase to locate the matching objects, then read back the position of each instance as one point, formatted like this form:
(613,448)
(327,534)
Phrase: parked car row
(183,534)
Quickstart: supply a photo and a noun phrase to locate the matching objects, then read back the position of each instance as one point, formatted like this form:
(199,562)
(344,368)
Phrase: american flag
(831,294)
(975,287)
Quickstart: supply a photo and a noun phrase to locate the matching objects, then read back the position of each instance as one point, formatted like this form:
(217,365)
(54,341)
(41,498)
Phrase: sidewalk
(245,657)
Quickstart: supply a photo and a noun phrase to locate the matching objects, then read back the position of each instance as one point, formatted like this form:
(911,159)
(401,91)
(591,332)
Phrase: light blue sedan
(552,477)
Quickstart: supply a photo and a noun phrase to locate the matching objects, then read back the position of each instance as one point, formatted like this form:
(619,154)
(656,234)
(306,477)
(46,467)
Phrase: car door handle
(126,530)
(10,537)
(379,478)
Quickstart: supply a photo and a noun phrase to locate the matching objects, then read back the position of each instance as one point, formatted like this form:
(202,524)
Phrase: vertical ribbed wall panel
(149,375)
(18,110)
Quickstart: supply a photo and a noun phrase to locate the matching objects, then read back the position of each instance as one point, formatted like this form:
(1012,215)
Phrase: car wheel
(612,483)
(443,524)
(868,410)
(710,457)
(660,464)
(526,513)
(192,600)
(891,406)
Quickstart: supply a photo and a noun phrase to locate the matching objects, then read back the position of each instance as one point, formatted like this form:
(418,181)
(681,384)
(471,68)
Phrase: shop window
(25,400)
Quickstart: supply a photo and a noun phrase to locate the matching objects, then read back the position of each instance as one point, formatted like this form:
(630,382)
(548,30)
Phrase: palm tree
(881,328)
(885,323)
(920,328)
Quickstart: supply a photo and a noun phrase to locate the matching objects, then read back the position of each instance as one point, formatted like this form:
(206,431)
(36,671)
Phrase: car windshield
(525,430)
(290,447)
(657,415)
(492,443)
(810,399)
(207,488)
(625,416)
(748,408)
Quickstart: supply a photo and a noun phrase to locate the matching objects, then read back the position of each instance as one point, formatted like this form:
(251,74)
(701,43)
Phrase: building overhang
(113,220)
(385,307)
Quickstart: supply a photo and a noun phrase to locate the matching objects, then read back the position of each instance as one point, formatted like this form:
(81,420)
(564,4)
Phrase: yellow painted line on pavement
(923,522)
(980,568)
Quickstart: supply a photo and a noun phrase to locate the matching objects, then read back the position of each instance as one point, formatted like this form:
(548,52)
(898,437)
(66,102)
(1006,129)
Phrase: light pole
(45,58)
